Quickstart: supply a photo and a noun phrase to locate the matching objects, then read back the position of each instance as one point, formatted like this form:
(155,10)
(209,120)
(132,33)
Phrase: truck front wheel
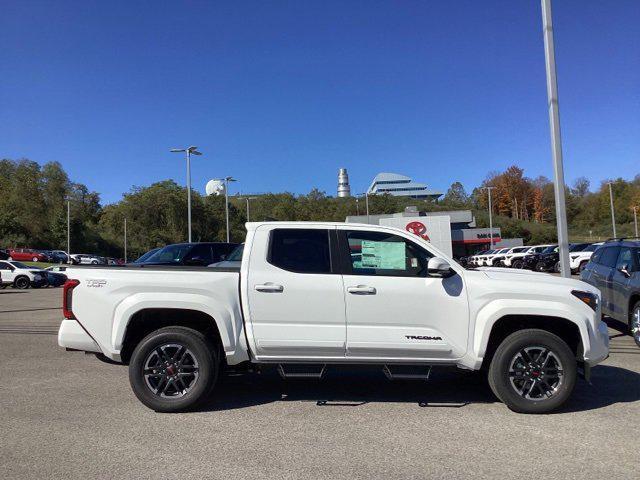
(533,371)
(173,369)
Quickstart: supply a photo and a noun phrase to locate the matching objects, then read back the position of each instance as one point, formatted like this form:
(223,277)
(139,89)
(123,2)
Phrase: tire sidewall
(499,368)
(21,283)
(517,264)
(201,348)
(635,337)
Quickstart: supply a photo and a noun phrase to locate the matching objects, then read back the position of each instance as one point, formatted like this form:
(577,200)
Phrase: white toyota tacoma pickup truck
(312,296)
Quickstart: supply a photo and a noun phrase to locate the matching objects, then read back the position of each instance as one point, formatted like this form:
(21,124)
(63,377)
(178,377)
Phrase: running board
(407,372)
(302,371)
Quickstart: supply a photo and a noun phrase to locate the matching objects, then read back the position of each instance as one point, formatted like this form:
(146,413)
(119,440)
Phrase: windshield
(146,256)
(170,254)
(591,248)
(550,249)
(236,255)
(21,265)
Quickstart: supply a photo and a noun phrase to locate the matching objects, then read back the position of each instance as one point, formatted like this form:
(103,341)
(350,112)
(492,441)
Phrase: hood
(507,274)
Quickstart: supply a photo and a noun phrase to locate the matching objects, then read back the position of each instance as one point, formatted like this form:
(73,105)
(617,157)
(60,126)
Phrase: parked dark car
(191,254)
(614,269)
(4,254)
(142,258)
(530,261)
(55,277)
(550,262)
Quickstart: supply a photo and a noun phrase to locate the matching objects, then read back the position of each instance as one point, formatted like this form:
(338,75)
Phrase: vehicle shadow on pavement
(352,387)
(447,388)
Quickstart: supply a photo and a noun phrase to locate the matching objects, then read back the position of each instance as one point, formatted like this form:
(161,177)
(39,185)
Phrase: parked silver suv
(614,269)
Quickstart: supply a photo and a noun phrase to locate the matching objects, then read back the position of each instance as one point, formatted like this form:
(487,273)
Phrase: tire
(517,264)
(582,265)
(22,283)
(634,323)
(527,390)
(556,267)
(201,357)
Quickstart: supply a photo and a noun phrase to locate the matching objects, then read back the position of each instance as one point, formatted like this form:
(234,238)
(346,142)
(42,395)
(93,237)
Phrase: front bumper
(598,344)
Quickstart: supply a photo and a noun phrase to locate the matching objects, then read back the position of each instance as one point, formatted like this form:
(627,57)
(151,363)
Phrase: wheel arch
(148,320)
(633,299)
(564,328)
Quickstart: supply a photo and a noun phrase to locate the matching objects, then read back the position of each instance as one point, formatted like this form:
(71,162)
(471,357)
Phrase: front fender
(497,309)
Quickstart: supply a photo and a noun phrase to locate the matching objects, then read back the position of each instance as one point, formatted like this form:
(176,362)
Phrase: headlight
(589,298)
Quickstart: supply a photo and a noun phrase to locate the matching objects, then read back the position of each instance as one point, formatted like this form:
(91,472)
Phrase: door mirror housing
(439,267)
(625,270)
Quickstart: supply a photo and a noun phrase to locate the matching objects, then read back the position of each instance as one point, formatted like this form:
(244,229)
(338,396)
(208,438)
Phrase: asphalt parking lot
(68,415)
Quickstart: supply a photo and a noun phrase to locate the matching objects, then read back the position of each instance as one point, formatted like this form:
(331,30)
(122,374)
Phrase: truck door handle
(361,290)
(269,288)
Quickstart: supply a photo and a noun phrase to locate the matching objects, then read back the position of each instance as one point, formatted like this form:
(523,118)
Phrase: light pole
(488,189)
(556,140)
(125,239)
(68,231)
(226,181)
(613,213)
(635,219)
(357,208)
(189,151)
(366,202)
(247,199)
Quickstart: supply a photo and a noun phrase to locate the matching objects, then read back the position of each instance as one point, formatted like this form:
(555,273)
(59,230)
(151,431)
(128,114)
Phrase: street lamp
(556,139)
(247,199)
(488,189)
(635,219)
(366,202)
(226,181)
(189,151)
(613,213)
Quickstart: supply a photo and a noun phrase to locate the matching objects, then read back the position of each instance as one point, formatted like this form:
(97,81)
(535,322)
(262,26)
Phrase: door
(395,310)
(295,295)
(621,277)
(7,272)
(602,274)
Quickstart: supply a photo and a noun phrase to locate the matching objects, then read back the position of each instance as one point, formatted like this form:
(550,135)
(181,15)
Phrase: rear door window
(300,250)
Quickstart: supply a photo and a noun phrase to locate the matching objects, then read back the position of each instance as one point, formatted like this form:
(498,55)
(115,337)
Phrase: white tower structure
(344,190)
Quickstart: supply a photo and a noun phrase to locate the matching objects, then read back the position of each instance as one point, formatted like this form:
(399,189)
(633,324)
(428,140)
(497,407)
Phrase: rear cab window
(300,250)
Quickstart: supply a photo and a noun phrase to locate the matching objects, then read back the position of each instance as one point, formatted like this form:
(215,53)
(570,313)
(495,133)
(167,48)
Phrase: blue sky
(280,94)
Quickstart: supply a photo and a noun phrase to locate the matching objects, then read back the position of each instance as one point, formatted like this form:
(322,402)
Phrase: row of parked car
(21,276)
(56,256)
(540,258)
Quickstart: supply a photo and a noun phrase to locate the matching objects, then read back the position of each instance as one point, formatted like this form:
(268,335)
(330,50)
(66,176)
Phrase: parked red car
(27,254)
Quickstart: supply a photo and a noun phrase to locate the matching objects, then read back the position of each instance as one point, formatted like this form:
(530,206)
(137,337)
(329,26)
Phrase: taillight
(67,298)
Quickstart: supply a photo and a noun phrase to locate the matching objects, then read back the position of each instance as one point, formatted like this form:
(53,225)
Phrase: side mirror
(439,267)
(624,269)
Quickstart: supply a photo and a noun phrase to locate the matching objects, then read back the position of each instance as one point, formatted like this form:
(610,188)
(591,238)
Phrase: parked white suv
(309,296)
(512,253)
(20,275)
(87,259)
(515,260)
(491,260)
(579,260)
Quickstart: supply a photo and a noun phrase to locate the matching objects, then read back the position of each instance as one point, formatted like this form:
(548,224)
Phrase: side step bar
(302,371)
(407,372)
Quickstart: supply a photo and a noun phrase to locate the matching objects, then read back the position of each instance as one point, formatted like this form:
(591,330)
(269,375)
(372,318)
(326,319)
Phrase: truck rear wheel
(173,369)
(533,371)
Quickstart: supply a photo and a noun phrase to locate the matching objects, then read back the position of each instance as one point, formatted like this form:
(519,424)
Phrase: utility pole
(226,202)
(68,231)
(125,239)
(613,213)
(247,199)
(488,189)
(189,151)
(357,208)
(366,197)
(635,219)
(556,140)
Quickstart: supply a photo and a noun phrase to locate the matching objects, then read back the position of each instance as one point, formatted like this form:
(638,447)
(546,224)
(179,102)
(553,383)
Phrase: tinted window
(300,250)
(4,266)
(609,256)
(385,254)
(577,247)
(201,254)
(519,250)
(591,248)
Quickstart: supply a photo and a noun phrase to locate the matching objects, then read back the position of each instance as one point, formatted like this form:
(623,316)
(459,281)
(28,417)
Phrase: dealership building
(454,232)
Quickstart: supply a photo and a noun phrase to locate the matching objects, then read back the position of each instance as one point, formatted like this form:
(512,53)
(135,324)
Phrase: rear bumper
(72,335)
